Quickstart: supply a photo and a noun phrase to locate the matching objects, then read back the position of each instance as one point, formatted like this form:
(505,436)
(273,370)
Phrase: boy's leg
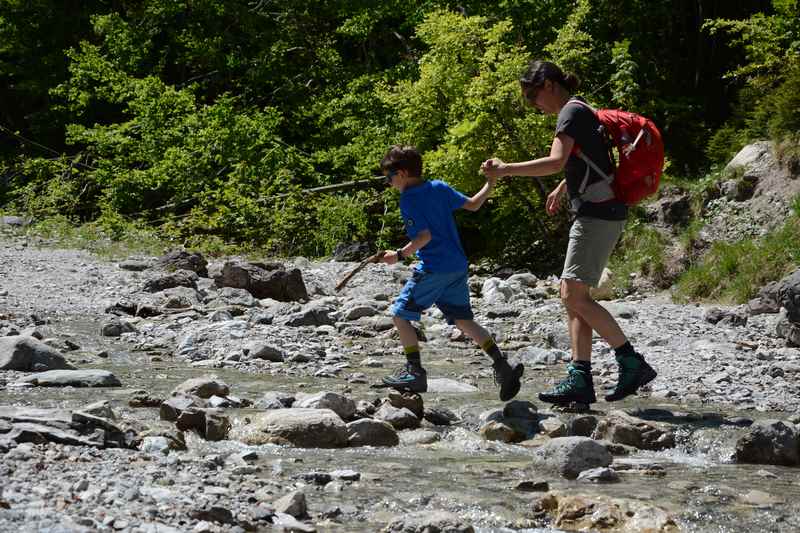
(508,377)
(411,376)
(417,294)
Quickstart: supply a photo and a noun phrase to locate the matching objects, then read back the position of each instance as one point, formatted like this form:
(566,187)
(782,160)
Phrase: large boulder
(315,314)
(74,378)
(771,442)
(569,456)
(264,280)
(179,278)
(789,296)
(183,260)
(27,354)
(304,428)
(368,432)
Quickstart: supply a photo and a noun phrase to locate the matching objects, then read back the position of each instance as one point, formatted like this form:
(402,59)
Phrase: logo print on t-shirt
(410,223)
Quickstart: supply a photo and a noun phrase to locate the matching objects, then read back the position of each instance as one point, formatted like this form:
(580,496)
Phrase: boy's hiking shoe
(633,373)
(411,378)
(508,378)
(577,388)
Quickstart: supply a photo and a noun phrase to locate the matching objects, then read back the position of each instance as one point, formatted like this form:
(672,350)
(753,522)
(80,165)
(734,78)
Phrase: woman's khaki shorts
(591,241)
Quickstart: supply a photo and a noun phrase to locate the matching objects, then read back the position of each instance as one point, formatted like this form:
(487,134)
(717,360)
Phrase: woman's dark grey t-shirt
(580,123)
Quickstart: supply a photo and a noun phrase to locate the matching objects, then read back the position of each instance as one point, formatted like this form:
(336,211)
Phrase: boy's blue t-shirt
(430,206)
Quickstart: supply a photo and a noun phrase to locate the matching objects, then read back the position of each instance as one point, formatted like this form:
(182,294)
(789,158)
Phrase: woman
(599,219)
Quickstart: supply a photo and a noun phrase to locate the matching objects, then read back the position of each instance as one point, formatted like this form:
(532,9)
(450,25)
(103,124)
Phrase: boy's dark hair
(403,157)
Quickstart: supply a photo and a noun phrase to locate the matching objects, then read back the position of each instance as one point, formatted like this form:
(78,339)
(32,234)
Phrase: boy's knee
(400,322)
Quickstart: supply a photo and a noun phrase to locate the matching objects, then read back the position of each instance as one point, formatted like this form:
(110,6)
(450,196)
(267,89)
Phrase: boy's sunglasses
(389,176)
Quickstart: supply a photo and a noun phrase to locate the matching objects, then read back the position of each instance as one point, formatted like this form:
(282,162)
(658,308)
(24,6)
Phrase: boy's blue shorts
(448,290)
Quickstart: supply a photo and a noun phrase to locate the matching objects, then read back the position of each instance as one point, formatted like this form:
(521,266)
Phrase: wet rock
(591,513)
(293,504)
(367,432)
(304,428)
(227,297)
(183,260)
(204,387)
(759,498)
(498,431)
(217,426)
(341,405)
(28,354)
(346,475)
(358,311)
(440,416)
(274,400)
(620,428)
(786,329)
(767,300)
(770,442)
(407,400)
(73,378)
(581,425)
(179,278)
(115,327)
(288,523)
(171,408)
(599,475)
(399,418)
(428,522)
(263,280)
(570,456)
(416,437)
(553,427)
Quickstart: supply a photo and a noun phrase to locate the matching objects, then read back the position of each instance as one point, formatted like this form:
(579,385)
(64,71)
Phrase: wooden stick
(374,258)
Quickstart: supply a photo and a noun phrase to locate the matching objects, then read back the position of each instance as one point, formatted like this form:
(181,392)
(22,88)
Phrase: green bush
(734,272)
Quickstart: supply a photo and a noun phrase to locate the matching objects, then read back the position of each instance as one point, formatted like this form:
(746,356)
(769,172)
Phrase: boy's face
(395,179)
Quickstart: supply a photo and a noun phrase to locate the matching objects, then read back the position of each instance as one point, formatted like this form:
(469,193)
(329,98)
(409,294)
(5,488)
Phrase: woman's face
(542,97)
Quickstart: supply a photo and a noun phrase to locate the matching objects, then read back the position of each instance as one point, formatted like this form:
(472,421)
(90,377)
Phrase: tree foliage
(207,119)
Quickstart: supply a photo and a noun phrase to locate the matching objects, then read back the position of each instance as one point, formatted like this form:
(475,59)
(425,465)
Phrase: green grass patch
(640,251)
(734,272)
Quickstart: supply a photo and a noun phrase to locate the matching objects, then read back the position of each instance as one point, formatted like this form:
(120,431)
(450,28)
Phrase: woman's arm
(543,166)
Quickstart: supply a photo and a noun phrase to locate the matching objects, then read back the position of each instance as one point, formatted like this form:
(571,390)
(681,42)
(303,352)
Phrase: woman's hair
(403,157)
(538,71)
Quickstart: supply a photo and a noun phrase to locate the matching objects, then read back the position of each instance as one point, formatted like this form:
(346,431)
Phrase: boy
(441,276)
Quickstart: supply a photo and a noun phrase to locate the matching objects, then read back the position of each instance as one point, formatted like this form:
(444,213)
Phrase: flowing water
(697,482)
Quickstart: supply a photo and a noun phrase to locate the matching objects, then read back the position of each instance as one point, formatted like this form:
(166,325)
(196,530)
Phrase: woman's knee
(575,295)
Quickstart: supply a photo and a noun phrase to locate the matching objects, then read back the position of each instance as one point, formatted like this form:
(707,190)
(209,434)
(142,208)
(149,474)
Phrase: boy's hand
(390,257)
(493,168)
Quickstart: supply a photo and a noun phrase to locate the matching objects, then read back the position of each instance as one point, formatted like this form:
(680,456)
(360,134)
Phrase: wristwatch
(399,253)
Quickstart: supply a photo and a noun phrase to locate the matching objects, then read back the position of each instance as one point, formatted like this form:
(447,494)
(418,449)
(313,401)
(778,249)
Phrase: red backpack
(641,153)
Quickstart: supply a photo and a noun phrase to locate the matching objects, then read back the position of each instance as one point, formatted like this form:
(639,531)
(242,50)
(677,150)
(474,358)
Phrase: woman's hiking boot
(577,388)
(411,378)
(634,372)
(507,377)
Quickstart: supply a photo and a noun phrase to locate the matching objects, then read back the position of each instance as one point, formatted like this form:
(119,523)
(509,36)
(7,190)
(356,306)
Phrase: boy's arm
(422,238)
(475,203)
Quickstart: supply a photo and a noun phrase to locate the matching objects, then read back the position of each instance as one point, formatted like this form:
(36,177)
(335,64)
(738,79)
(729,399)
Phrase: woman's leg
(583,312)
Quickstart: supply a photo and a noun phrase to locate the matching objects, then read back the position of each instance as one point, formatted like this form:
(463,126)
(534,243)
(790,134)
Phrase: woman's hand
(553,203)
(493,168)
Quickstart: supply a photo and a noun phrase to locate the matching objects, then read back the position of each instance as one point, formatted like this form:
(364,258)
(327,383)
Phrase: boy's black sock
(626,350)
(492,350)
(413,355)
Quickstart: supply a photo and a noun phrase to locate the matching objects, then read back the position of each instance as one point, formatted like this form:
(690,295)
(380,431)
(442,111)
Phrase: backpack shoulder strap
(579,152)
